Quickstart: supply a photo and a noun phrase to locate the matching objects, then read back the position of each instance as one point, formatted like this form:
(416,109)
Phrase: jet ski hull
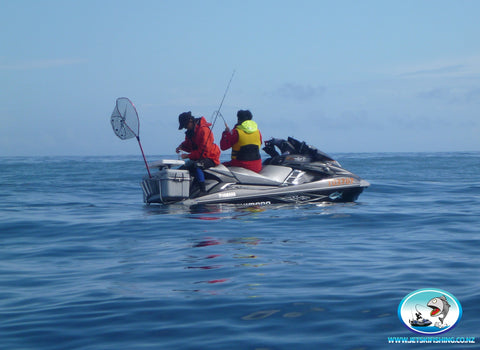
(310,193)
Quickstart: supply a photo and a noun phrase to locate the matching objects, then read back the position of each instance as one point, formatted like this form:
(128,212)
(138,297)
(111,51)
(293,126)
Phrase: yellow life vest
(248,144)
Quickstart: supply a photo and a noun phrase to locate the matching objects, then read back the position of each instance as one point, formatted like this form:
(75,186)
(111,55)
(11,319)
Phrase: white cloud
(299,92)
(40,64)
(456,67)
(445,70)
(453,95)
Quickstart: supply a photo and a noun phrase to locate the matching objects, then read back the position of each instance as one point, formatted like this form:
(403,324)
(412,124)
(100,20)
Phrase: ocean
(85,264)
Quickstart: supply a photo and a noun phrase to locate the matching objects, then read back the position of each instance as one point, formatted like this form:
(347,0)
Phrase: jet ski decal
(335,195)
(341,181)
(227,195)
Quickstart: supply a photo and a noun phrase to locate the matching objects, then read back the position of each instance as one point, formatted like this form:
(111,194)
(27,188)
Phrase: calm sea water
(84,264)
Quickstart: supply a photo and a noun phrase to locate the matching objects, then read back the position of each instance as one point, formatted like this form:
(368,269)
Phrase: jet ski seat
(220,169)
(273,175)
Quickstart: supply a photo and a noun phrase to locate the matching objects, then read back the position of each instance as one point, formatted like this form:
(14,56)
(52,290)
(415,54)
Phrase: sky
(344,76)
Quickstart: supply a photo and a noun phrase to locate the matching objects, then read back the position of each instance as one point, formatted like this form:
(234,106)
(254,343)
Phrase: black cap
(183,120)
(243,115)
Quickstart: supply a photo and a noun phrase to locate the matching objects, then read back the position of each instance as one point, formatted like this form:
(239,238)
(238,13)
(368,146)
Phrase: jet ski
(420,323)
(294,173)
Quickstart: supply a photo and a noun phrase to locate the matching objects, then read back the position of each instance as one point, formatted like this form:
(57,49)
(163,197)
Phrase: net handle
(144,159)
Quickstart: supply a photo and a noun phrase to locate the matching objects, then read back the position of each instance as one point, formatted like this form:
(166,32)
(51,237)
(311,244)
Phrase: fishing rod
(217,112)
(221,103)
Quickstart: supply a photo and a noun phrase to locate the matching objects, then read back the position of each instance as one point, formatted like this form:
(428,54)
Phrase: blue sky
(346,76)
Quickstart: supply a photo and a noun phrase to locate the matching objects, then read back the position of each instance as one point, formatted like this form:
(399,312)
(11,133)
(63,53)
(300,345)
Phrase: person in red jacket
(199,145)
(245,141)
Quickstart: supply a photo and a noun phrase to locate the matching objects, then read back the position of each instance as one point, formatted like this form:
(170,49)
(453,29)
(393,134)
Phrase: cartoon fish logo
(440,308)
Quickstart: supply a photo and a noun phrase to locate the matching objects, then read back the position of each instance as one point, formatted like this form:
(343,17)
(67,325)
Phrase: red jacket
(231,138)
(201,145)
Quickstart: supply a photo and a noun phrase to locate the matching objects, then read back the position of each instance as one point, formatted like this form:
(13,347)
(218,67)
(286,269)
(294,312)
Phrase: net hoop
(124,119)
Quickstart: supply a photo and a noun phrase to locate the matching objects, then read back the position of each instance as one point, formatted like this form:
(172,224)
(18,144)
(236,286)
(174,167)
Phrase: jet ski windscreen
(293,146)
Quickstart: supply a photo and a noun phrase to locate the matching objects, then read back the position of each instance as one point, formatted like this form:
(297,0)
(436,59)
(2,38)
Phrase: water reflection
(215,261)
(207,242)
(214,212)
(205,211)
(294,310)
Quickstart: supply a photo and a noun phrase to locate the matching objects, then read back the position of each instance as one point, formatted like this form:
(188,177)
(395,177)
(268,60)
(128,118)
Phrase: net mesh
(124,119)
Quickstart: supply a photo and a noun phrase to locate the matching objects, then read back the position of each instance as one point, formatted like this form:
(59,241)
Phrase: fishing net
(124,119)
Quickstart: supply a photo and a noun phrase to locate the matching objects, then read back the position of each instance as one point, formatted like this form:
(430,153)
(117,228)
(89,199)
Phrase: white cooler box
(174,183)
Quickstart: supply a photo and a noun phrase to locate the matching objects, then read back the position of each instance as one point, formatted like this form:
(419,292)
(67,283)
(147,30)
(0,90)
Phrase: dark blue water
(84,264)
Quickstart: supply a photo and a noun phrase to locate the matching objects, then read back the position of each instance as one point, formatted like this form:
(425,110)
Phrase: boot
(203,190)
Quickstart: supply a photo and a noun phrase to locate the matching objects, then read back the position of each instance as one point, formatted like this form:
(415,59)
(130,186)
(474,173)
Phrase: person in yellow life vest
(245,141)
